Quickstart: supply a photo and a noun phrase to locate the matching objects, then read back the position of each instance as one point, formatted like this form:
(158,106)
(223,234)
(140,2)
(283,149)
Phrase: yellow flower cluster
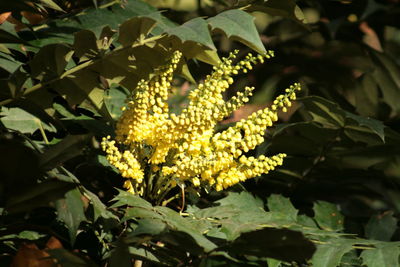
(161,149)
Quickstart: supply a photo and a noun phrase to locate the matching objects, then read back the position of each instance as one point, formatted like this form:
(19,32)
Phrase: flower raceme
(155,149)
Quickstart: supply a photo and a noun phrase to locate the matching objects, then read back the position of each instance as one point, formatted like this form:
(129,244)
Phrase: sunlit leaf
(238,25)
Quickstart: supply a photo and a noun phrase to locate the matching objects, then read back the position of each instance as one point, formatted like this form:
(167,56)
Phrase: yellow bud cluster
(125,162)
(184,147)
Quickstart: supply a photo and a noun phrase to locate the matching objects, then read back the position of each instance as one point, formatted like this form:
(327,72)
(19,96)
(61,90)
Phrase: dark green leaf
(67,148)
(281,244)
(22,121)
(328,216)
(195,30)
(278,203)
(66,258)
(384,255)
(114,100)
(330,255)
(238,25)
(381,227)
(70,210)
(135,30)
(126,198)
(39,195)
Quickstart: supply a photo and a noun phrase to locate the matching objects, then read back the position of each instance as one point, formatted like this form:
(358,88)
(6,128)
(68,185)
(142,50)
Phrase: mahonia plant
(156,150)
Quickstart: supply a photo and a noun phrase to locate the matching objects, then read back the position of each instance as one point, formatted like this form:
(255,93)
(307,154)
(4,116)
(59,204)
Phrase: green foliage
(66,68)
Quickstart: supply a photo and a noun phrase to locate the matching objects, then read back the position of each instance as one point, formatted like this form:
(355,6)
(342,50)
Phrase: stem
(183,198)
(46,141)
(80,67)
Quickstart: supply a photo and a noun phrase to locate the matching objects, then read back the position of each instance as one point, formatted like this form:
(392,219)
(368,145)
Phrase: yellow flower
(157,150)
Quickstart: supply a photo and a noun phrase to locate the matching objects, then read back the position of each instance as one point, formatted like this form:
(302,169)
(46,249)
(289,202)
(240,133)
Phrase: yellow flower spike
(155,150)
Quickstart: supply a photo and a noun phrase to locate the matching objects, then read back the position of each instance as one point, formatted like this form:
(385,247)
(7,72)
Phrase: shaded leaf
(381,227)
(328,216)
(22,121)
(114,100)
(69,259)
(70,210)
(39,195)
(384,255)
(282,244)
(135,30)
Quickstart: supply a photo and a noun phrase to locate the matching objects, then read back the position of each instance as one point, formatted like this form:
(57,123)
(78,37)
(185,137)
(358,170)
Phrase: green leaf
(114,99)
(243,201)
(129,199)
(51,4)
(177,222)
(282,244)
(195,30)
(69,147)
(99,209)
(135,30)
(70,210)
(66,258)
(27,235)
(39,195)
(330,255)
(238,25)
(148,226)
(376,126)
(324,111)
(384,255)
(328,216)
(287,9)
(50,61)
(381,227)
(143,254)
(278,203)
(331,115)
(22,121)
(120,255)
(85,45)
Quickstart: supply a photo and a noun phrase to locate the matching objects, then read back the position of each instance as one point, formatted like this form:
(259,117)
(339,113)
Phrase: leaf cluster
(66,68)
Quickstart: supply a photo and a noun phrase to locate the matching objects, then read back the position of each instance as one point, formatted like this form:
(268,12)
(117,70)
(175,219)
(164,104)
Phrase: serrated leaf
(381,227)
(70,210)
(278,203)
(243,201)
(328,216)
(177,222)
(195,30)
(126,198)
(22,121)
(330,255)
(384,255)
(238,25)
(99,209)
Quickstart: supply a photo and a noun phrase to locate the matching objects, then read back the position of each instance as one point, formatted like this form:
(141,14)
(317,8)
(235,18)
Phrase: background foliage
(66,68)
